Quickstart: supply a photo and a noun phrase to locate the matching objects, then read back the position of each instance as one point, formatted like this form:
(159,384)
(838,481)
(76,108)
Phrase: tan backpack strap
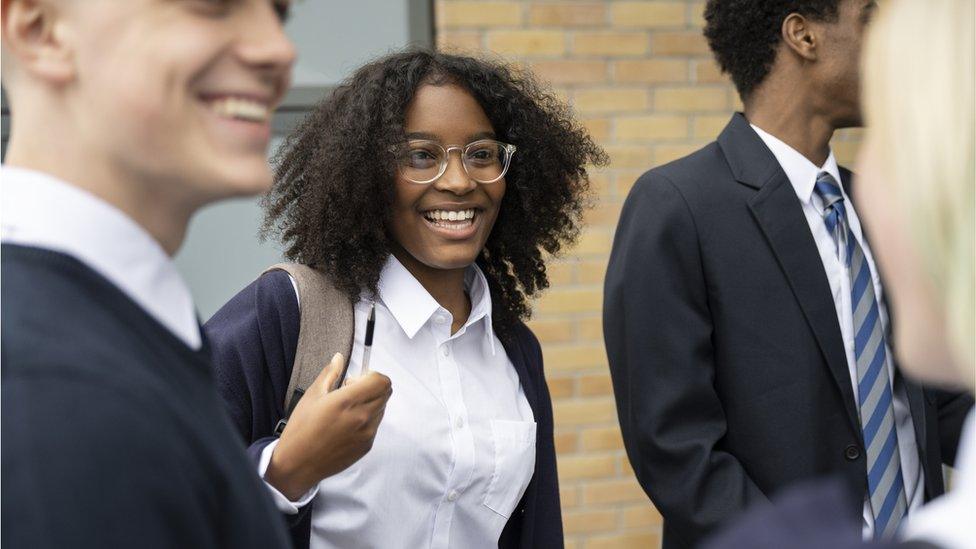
(326,326)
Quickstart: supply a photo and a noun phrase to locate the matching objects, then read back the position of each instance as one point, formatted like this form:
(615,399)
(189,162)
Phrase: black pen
(368,341)
(370,322)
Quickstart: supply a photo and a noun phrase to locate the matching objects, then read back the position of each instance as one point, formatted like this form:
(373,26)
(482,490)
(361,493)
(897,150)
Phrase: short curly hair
(744,34)
(334,176)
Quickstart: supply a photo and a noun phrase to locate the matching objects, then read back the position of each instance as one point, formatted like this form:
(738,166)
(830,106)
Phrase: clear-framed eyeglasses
(486,161)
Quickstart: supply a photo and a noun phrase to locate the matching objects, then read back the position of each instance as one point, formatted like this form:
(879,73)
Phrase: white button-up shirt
(41,211)
(948,520)
(803,175)
(456,448)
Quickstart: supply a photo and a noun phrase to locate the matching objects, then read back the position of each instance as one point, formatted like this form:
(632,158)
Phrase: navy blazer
(728,363)
(254,338)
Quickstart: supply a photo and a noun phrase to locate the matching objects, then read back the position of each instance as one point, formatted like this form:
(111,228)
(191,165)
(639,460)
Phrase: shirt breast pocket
(513,464)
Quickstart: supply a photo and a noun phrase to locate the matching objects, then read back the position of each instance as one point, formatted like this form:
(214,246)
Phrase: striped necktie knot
(828,189)
(834,212)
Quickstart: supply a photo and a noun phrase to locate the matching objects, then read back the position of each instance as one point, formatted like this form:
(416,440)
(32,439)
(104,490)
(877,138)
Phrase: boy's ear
(799,36)
(33,34)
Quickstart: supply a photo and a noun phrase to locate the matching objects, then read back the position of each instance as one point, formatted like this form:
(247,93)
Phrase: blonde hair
(919,68)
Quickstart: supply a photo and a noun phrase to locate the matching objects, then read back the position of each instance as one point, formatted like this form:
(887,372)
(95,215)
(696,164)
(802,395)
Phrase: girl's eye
(420,158)
(483,155)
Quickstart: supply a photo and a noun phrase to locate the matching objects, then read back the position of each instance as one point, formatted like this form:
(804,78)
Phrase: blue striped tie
(885,484)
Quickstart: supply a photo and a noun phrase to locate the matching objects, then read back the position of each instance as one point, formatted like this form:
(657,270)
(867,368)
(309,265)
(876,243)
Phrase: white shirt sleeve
(284,505)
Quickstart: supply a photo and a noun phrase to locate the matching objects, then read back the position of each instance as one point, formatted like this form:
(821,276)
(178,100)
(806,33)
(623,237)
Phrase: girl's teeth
(454,215)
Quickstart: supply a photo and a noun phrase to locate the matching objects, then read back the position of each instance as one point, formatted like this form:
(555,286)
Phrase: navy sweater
(254,338)
(113,434)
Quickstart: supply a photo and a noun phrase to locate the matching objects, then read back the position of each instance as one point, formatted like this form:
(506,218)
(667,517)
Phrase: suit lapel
(781,219)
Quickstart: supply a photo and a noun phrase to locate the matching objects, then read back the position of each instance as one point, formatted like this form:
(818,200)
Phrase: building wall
(640,77)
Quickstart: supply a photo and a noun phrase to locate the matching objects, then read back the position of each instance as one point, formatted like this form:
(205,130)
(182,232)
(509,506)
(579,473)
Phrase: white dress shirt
(456,448)
(948,521)
(802,174)
(41,211)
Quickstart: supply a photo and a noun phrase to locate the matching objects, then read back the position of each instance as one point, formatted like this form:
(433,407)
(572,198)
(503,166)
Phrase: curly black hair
(744,34)
(334,176)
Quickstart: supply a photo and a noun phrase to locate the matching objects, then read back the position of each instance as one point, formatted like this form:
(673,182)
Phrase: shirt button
(852,452)
(445,351)
(459,423)
(439,319)
(453,495)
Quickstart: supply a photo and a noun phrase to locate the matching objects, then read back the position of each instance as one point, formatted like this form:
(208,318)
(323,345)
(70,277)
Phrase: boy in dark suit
(744,315)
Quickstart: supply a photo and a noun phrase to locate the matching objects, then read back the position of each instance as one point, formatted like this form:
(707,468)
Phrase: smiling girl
(434,187)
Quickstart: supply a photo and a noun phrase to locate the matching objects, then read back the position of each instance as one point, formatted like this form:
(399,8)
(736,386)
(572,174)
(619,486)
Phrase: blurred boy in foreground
(127,118)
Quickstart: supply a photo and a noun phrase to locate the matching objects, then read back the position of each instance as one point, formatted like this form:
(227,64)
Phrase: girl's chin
(441,258)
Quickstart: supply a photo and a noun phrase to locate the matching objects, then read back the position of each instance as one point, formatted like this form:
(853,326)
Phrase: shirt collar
(41,211)
(412,305)
(799,170)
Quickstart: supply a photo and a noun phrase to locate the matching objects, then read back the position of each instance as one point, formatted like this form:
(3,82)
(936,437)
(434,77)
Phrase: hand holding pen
(329,430)
(332,426)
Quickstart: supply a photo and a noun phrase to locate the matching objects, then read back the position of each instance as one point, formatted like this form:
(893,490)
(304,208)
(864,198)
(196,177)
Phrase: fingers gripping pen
(367,346)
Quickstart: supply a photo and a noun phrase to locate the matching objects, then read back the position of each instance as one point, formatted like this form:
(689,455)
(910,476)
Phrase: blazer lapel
(512,342)
(781,219)
(516,354)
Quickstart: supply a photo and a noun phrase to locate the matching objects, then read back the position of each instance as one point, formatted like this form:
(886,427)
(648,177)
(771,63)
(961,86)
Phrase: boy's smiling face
(178,93)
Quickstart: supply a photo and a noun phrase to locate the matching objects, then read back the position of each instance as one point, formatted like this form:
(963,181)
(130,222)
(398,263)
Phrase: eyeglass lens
(484,161)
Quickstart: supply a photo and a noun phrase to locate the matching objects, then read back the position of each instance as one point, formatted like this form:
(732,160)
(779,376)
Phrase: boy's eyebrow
(868,11)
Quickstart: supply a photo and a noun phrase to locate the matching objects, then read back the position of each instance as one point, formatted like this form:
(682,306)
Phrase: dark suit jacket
(254,338)
(727,359)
